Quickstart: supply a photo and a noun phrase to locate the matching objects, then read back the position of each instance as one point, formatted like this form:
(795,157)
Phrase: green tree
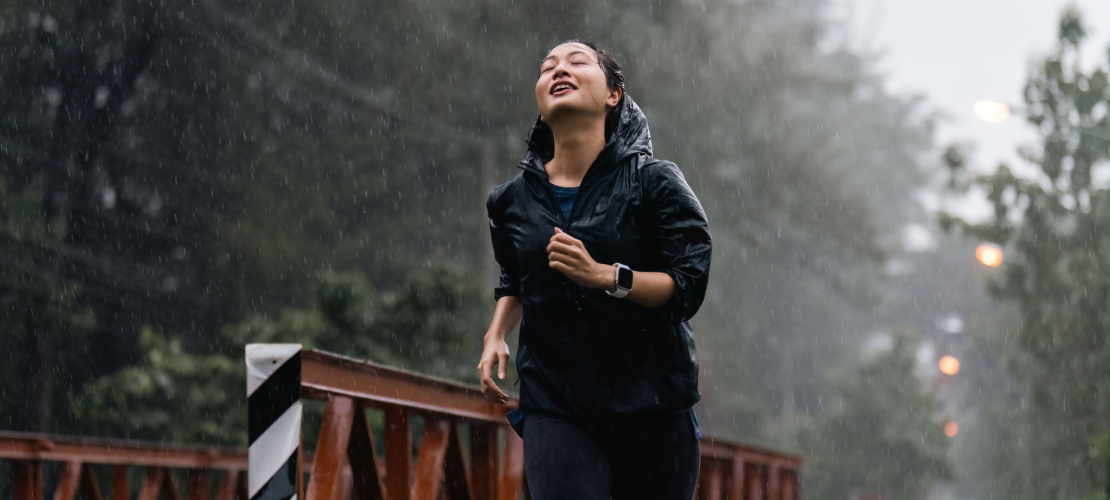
(188,397)
(37,309)
(879,434)
(106,112)
(173,395)
(1057,271)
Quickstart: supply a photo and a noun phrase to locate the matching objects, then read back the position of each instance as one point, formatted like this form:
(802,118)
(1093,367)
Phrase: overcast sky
(953,52)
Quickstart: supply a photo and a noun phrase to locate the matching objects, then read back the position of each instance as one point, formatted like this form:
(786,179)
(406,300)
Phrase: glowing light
(949,365)
(951,428)
(991,111)
(989,255)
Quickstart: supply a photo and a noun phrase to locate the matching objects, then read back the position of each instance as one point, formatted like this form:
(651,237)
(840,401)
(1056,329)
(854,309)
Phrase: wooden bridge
(465,450)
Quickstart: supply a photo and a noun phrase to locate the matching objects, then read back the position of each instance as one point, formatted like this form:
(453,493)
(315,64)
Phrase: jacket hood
(626,130)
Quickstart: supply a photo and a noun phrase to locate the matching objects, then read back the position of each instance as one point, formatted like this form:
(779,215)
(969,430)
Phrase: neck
(578,142)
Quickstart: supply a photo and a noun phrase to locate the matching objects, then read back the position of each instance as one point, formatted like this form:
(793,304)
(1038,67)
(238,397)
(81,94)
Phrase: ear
(615,94)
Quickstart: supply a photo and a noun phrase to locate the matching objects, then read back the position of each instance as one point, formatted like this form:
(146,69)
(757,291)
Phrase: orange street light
(951,428)
(949,365)
(990,255)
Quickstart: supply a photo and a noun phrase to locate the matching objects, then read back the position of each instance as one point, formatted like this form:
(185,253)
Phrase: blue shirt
(565,196)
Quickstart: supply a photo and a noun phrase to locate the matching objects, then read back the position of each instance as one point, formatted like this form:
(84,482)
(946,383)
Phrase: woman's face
(572,81)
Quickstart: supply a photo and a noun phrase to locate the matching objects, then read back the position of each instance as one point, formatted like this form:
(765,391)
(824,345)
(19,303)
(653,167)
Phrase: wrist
(606,277)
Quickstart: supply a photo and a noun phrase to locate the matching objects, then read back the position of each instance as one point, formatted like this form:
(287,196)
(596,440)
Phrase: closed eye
(576,59)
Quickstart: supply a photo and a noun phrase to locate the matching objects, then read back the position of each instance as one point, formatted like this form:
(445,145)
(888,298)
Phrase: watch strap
(620,291)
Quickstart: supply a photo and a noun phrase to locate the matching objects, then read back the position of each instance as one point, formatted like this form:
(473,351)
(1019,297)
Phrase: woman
(604,253)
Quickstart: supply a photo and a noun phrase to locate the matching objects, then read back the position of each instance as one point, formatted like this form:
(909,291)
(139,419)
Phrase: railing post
(512,468)
(331,449)
(755,484)
(198,484)
(28,480)
(736,489)
(71,479)
(152,483)
(398,453)
(774,484)
(274,421)
(483,463)
(121,483)
(789,486)
(711,484)
(429,461)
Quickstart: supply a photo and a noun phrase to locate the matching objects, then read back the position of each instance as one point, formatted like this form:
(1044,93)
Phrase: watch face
(624,278)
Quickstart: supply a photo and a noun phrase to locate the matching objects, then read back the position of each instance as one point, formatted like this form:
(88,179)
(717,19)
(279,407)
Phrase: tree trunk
(57,208)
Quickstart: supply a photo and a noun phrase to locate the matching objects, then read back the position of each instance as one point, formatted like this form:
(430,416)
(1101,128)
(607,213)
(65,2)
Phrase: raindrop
(108,197)
(49,24)
(951,324)
(102,94)
(53,96)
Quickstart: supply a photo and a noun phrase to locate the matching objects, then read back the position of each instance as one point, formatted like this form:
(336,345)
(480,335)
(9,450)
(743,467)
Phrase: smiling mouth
(561,88)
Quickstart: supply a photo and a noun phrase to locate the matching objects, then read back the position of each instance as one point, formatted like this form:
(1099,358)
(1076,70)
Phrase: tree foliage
(182,396)
(38,310)
(1057,271)
(878,434)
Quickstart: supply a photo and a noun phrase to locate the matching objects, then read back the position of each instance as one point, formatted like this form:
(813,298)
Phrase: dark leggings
(630,458)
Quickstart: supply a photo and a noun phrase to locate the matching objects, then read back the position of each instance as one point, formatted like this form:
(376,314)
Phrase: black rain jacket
(583,354)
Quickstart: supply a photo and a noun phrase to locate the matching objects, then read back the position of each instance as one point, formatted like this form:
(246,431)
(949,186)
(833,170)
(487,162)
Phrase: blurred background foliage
(859,424)
(181,179)
(1054,224)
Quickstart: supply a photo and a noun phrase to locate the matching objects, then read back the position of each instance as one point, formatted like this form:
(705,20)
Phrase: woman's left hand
(568,255)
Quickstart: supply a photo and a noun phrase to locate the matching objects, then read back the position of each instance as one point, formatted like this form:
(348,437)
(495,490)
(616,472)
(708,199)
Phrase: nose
(559,70)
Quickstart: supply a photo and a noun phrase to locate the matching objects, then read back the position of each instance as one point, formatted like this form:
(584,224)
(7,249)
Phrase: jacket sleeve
(503,251)
(681,237)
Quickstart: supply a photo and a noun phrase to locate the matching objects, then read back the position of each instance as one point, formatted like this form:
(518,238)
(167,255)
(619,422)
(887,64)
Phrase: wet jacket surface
(582,353)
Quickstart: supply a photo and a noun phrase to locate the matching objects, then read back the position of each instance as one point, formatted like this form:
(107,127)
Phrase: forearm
(505,317)
(569,256)
(649,289)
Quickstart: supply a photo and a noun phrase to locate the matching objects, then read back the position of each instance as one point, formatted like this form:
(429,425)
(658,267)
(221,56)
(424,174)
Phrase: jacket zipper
(565,221)
(555,202)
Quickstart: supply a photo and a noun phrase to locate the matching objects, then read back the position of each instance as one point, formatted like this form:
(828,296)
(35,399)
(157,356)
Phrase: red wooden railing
(741,472)
(456,414)
(465,450)
(75,457)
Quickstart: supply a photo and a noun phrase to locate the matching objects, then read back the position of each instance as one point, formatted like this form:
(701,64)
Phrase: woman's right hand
(496,352)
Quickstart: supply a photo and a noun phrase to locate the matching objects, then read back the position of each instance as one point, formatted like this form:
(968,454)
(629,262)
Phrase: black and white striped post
(274,420)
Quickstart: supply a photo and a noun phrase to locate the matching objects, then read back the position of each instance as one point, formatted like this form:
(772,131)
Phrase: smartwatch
(623,279)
